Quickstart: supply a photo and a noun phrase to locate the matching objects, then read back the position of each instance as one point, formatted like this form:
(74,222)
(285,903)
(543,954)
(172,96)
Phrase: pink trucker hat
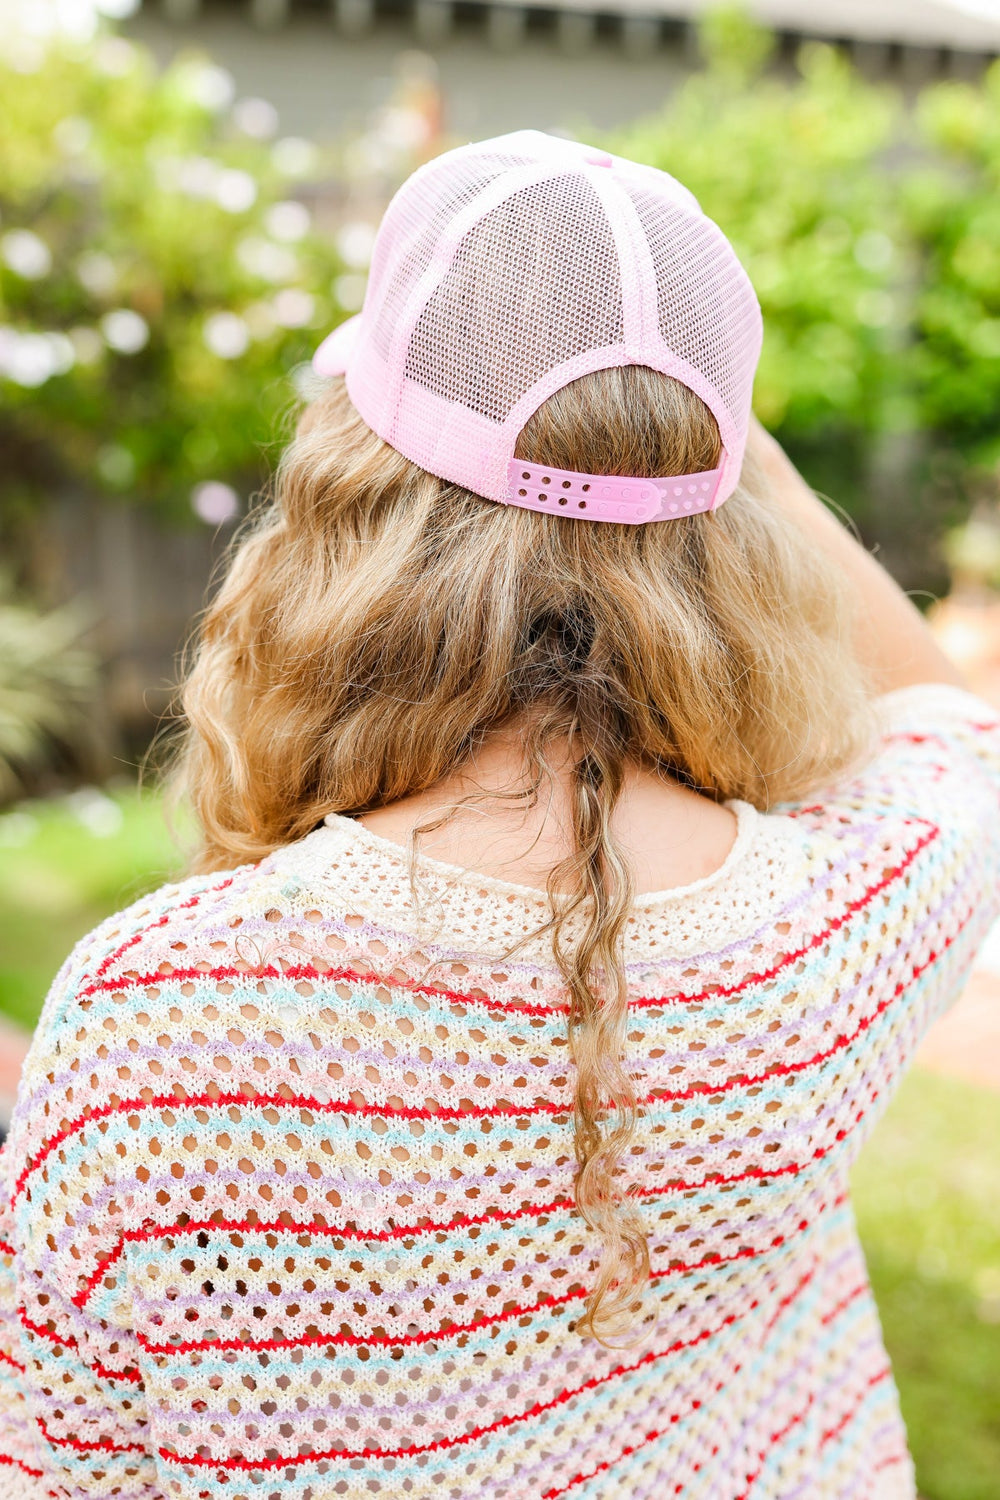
(507,268)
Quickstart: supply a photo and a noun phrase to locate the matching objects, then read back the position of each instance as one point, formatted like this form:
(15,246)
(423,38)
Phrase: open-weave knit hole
(289,1188)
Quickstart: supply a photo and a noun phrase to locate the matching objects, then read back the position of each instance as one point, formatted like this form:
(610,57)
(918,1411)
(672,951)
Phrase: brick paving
(966,1041)
(13,1046)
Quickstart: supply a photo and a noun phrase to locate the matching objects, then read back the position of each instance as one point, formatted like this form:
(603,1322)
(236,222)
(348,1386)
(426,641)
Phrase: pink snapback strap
(606,497)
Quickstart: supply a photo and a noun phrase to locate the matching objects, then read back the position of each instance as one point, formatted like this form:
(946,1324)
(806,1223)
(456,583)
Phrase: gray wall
(323,83)
(567,69)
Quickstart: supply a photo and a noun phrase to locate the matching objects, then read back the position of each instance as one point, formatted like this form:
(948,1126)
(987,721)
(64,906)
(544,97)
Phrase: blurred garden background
(188,195)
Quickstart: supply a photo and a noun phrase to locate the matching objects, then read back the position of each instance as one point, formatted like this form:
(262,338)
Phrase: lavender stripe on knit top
(288,1193)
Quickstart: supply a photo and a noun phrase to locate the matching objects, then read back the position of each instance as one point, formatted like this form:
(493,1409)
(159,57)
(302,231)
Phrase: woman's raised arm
(893,639)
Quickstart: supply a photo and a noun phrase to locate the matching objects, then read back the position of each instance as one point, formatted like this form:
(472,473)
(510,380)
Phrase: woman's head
(504,270)
(376,624)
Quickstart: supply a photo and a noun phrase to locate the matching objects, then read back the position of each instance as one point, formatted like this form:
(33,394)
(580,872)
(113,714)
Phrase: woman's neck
(486,821)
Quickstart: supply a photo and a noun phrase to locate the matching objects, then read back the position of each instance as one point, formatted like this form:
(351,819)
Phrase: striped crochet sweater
(288,1196)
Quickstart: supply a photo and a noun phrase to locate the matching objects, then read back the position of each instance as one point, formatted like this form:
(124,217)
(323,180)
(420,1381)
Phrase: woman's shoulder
(179,925)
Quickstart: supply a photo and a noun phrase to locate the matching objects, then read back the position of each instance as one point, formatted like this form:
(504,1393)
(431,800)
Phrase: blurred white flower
(73,135)
(97,273)
(293,307)
(210,86)
(294,157)
(26,254)
(88,346)
(267,260)
(99,813)
(288,221)
(404,130)
(260,319)
(195,175)
(114,56)
(215,502)
(874,250)
(25,54)
(875,309)
(226,334)
(33,20)
(125,331)
(201,177)
(117,10)
(15,364)
(349,291)
(255,117)
(116,465)
(30,359)
(235,191)
(17,828)
(63,352)
(354,244)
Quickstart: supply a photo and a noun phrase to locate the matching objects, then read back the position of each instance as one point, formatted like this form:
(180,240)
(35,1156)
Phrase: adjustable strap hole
(525,475)
(522,493)
(565,484)
(585,488)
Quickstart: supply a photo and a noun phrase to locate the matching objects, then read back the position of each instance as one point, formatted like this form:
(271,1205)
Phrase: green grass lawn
(66,864)
(927,1190)
(927,1196)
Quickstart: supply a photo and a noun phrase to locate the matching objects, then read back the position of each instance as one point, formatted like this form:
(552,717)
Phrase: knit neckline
(388,851)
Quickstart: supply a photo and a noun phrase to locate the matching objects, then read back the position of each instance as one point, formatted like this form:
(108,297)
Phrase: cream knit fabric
(288,1197)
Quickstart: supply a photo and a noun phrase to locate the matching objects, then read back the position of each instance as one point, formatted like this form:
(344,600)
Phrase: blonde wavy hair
(376,624)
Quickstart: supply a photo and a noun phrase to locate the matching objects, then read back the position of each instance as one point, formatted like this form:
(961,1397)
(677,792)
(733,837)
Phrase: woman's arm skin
(893,641)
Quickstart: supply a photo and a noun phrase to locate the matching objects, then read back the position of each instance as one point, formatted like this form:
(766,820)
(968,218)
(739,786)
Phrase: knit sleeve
(919,826)
(72,1406)
(20,1474)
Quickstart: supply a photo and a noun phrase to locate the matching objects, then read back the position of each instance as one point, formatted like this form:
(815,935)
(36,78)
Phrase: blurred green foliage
(870,228)
(46,683)
(66,863)
(788,170)
(159,279)
(951,205)
(927,1200)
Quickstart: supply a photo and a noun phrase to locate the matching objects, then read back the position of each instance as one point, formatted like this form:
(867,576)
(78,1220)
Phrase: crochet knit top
(288,1195)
